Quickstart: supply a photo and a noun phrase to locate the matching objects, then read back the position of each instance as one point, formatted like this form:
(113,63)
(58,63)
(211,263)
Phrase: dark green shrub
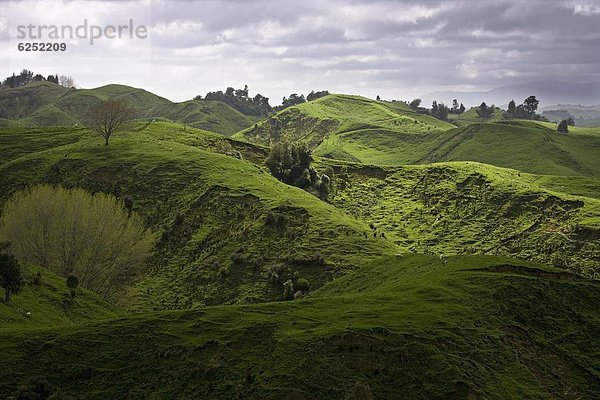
(563,127)
(10,276)
(37,279)
(303,285)
(72,282)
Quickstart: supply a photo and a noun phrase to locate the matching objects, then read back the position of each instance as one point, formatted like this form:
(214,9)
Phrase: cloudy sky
(396,49)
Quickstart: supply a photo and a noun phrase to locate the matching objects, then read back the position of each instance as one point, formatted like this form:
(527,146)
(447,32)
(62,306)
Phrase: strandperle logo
(84,31)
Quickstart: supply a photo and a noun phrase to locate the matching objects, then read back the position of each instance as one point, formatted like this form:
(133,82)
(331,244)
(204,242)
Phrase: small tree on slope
(10,274)
(563,127)
(109,117)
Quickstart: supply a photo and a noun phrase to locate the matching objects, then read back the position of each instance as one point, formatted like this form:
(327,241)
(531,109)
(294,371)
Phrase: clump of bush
(239,256)
(290,163)
(274,219)
(277,273)
(303,285)
(316,258)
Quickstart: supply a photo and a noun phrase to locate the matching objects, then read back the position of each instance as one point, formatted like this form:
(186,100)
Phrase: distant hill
(548,92)
(355,129)
(47,104)
(337,122)
(524,145)
(583,115)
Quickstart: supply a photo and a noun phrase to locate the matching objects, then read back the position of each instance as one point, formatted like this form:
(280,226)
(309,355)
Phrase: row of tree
(295,99)
(438,110)
(525,110)
(26,76)
(240,100)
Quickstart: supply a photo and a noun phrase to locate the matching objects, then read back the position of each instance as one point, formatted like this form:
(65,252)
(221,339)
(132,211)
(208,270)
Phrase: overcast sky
(396,49)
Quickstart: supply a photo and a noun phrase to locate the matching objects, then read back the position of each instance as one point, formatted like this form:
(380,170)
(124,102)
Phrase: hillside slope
(48,104)
(45,302)
(463,208)
(331,117)
(415,327)
(227,226)
(523,145)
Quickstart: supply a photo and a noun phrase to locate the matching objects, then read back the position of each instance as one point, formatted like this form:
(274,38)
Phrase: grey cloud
(388,47)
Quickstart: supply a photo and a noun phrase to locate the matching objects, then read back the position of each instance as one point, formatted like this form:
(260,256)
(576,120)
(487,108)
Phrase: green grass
(462,208)
(355,129)
(47,303)
(48,104)
(189,186)
(413,327)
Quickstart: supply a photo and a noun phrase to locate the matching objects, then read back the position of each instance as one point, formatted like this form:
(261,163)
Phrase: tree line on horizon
(258,105)
(26,76)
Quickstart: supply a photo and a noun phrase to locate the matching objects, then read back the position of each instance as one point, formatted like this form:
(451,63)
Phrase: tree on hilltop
(530,105)
(563,127)
(416,103)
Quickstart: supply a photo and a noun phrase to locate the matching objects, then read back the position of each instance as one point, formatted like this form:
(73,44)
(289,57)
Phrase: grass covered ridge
(47,104)
(416,327)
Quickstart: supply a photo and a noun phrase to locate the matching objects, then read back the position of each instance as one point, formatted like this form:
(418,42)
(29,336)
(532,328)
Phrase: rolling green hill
(426,280)
(209,199)
(356,129)
(414,327)
(333,117)
(463,208)
(213,116)
(523,145)
(48,104)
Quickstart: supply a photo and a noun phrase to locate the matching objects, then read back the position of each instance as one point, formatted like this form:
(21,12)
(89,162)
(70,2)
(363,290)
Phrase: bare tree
(66,81)
(109,117)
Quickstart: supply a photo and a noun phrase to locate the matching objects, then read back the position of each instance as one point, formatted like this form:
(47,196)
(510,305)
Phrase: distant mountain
(47,104)
(583,115)
(548,92)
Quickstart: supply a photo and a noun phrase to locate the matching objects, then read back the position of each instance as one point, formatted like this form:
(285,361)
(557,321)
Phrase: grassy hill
(210,199)
(463,208)
(412,327)
(213,116)
(45,302)
(412,289)
(48,104)
(356,129)
(524,145)
(332,118)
